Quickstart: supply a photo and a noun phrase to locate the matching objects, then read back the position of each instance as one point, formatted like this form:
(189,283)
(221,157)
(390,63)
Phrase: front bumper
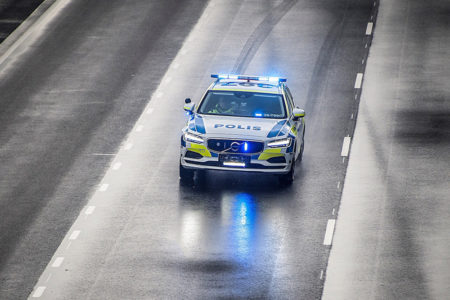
(257,162)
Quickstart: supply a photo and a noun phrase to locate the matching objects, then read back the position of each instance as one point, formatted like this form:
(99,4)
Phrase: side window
(290,101)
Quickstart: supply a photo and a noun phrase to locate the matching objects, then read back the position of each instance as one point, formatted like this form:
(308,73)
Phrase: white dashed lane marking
(89,210)
(328,239)
(369,28)
(58,261)
(128,146)
(39,291)
(74,235)
(345,146)
(103,187)
(358,81)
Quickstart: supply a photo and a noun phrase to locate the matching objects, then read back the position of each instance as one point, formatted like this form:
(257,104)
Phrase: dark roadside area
(13,13)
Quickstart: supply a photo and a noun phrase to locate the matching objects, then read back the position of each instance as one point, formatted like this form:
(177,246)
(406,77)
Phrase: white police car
(243,123)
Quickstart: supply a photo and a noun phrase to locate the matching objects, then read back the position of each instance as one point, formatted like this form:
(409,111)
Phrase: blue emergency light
(248,78)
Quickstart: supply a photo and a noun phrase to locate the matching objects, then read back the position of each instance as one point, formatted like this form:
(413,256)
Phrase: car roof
(247,86)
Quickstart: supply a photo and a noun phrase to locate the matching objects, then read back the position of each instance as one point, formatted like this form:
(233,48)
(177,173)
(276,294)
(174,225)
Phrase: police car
(243,123)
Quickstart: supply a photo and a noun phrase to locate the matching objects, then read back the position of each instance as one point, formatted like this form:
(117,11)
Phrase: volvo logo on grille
(235,146)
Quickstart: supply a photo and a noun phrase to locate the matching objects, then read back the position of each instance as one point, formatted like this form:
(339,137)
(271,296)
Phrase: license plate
(234,158)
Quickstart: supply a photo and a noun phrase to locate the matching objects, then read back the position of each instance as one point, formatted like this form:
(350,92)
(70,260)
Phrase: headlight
(279,143)
(193,138)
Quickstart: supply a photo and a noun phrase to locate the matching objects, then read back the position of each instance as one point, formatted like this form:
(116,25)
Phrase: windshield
(243,104)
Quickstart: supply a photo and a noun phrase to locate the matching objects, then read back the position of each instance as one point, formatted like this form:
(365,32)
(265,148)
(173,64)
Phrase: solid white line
(369,28)
(58,261)
(117,166)
(358,80)
(89,210)
(345,146)
(328,239)
(128,146)
(39,291)
(74,235)
(103,187)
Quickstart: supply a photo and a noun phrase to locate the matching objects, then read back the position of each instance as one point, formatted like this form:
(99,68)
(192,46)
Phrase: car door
(298,124)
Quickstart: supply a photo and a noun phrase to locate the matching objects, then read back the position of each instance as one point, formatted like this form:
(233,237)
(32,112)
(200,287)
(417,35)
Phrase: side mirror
(189,106)
(298,113)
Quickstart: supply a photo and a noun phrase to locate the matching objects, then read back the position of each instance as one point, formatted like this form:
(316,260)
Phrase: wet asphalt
(69,103)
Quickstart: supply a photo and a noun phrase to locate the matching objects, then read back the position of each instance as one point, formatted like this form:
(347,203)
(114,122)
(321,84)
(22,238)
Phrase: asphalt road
(393,232)
(72,135)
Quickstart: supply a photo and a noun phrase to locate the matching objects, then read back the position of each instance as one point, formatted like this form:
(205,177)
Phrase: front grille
(235,146)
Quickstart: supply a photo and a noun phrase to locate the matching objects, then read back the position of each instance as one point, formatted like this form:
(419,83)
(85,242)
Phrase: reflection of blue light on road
(243,223)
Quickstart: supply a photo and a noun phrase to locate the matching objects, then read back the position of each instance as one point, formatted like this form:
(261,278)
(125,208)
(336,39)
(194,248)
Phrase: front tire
(288,178)
(186,175)
(302,148)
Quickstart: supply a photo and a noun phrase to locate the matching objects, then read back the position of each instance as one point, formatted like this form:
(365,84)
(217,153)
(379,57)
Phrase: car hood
(222,126)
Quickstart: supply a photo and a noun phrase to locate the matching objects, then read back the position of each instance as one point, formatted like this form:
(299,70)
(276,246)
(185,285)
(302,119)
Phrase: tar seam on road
(260,34)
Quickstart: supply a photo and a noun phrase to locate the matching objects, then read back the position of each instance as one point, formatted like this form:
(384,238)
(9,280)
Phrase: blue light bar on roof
(248,78)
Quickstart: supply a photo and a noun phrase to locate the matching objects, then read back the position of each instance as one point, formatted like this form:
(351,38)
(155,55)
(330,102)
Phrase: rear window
(243,104)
